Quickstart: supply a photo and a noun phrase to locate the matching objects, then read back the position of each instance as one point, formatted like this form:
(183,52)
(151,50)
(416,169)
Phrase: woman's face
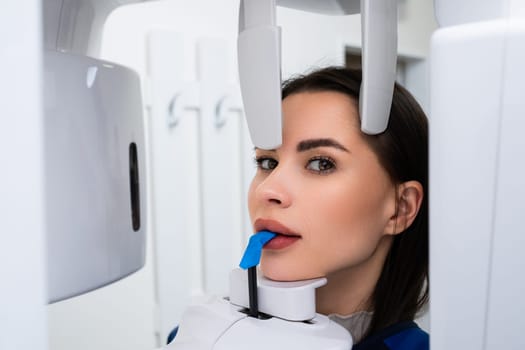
(323,190)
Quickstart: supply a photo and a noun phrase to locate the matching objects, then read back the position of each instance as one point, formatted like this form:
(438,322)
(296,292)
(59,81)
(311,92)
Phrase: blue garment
(401,336)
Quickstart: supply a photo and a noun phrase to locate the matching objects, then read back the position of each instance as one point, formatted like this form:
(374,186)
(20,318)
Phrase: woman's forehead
(324,114)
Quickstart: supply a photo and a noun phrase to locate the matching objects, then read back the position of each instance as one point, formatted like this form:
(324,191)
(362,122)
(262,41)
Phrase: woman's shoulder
(400,336)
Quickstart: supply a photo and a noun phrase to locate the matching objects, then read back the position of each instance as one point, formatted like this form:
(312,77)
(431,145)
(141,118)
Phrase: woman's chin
(285,275)
(279,277)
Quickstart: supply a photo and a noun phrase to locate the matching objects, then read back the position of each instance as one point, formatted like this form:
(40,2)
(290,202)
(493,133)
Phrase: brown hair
(402,149)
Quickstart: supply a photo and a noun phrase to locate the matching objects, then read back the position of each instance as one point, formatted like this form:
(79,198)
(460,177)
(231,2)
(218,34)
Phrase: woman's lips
(285,237)
(281,242)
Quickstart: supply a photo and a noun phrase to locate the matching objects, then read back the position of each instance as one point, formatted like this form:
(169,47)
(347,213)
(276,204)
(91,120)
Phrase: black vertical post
(252,290)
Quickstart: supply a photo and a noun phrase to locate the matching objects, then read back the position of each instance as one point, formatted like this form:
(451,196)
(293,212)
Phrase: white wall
(197,174)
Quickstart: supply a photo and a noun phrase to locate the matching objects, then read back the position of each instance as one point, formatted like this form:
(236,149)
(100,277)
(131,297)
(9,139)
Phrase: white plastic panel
(23,322)
(466,67)
(506,305)
(93,114)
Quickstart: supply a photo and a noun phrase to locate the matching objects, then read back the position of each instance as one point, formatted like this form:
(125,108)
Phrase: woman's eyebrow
(314,143)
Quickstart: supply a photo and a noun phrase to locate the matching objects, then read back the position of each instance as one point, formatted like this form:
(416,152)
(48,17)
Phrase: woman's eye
(266,163)
(321,165)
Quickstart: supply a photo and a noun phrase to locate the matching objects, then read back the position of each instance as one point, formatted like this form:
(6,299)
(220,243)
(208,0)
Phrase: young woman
(350,207)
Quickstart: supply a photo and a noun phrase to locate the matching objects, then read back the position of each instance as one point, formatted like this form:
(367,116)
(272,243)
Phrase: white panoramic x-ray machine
(476,172)
(93,124)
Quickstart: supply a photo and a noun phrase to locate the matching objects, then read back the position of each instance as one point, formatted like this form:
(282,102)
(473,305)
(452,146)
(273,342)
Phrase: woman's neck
(350,290)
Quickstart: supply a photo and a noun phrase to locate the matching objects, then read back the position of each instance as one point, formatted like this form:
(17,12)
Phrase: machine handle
(259,59)
(379,40)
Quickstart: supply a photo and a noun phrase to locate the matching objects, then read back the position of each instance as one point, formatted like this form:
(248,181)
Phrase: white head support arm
(259,56)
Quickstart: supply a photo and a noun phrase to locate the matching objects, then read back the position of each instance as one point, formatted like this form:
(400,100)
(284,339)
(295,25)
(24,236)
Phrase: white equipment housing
(476,171)
(90,237)
(94,156)
(259,56)
(290,322)
(216,324)
(477,176)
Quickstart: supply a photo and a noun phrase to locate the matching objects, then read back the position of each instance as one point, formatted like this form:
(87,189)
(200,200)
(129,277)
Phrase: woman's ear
(409,196)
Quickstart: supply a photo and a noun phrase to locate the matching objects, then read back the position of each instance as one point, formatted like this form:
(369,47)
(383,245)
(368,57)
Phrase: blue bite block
(252,254)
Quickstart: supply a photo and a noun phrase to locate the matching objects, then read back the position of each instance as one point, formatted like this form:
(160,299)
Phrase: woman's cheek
(251,197)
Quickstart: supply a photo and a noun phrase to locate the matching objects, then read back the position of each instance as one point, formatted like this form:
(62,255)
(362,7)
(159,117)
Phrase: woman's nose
(275,189)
